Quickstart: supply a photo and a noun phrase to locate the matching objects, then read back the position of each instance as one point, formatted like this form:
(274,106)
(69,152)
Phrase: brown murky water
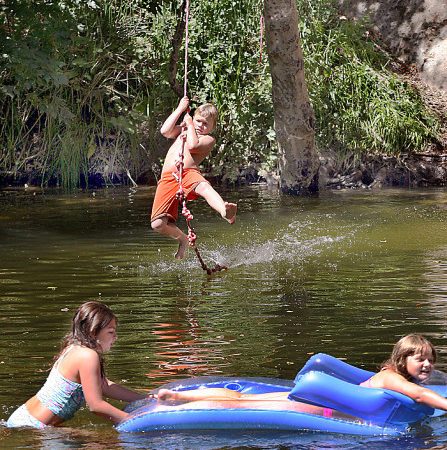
(346,273)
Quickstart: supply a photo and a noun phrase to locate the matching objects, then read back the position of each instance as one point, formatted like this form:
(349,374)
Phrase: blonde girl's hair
(209,111)
(409,345)
(89,319)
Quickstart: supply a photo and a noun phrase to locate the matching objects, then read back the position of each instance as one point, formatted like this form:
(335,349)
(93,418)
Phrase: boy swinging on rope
(193,133)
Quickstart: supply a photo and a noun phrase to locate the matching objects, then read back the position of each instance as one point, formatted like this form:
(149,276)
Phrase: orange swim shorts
(165,202)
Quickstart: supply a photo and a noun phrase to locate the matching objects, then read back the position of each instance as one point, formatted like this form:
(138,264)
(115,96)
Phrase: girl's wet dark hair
(89,319)
(409,345)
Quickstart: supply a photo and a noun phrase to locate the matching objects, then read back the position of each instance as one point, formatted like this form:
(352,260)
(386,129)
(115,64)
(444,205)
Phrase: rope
(261,36)
(180,195)
(185,77)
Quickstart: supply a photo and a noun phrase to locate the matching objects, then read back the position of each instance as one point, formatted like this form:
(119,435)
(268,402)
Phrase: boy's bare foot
(182,247)
(230,212)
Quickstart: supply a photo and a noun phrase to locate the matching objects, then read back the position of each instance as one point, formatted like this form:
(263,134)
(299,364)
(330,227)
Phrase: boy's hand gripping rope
(180,195)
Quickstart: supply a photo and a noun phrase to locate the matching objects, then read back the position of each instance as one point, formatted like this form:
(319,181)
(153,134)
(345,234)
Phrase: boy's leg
(163,226)
(225,209)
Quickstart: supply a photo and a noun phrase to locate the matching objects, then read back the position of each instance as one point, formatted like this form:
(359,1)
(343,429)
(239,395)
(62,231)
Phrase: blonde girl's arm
(92,385)
(118,392)
(420,394)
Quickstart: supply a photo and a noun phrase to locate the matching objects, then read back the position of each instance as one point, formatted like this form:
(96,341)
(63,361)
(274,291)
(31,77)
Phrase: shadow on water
(346,273)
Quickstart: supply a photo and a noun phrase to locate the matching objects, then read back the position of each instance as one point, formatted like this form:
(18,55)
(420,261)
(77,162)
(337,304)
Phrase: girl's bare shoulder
(75,359)
(83,353)
(389,379)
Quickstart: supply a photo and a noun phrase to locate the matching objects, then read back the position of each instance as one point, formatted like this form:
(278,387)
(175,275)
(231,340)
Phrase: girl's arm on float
(90,375)
(118,392)
(419,394)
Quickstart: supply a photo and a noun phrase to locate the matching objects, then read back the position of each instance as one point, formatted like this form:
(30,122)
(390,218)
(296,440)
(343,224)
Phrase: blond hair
(208,111)
(409,345)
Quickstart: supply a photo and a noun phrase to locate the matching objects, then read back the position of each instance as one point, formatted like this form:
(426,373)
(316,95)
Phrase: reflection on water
(346,273)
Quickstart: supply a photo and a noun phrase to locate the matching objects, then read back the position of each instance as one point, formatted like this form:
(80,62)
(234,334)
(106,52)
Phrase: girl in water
(78,374)
(411,363)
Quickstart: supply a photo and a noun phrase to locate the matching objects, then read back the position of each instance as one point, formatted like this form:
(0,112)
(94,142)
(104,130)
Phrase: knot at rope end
(216,268)
(192,237)
(180,194)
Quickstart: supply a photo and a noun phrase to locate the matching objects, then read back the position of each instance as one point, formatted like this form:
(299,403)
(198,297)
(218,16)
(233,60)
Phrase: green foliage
(70,69)
(360,106)
(226,70)
(81,80)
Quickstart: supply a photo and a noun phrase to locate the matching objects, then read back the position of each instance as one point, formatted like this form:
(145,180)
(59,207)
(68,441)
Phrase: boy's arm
(170,129)
(192,140)
(203,149)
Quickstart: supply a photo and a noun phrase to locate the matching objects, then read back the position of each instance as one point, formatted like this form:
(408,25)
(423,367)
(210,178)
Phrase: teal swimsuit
(61,396)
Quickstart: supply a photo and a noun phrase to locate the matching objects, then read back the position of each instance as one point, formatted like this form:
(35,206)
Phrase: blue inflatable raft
(323,381)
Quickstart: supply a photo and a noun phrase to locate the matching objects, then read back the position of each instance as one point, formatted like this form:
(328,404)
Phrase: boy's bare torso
(193,136)
(191,157)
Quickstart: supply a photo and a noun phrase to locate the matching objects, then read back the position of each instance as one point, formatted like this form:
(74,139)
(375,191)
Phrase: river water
(345,273)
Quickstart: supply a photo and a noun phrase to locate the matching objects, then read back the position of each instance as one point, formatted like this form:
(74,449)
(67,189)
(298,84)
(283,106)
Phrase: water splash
(289,245)
(286,248)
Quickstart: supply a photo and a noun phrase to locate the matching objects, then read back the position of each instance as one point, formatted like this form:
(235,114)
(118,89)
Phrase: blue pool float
(323,381)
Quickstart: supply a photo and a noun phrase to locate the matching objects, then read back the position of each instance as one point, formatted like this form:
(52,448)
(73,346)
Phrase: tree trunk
(177,40)
(294,117)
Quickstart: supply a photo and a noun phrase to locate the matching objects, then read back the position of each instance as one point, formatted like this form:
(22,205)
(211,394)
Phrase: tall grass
(360,105)
(81,81)
(72,79)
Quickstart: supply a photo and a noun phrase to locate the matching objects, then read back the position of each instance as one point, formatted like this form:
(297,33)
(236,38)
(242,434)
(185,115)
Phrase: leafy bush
(80,80)
(73,76)
(360,105)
